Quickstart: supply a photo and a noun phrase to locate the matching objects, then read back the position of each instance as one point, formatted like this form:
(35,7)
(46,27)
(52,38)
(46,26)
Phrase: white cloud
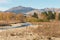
(4,1)
(3,9)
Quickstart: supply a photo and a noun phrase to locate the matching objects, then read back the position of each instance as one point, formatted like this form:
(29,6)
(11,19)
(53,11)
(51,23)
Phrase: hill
(20,9)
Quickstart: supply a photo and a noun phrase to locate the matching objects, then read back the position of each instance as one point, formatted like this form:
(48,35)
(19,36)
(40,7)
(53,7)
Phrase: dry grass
(31,33)
(48,28)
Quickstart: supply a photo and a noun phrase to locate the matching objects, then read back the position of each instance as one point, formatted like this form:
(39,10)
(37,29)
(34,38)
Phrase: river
(18,25)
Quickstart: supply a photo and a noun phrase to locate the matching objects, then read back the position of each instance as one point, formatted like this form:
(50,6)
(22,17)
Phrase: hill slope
(19,9)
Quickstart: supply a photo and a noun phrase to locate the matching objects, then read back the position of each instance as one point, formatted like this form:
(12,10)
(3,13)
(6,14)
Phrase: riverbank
(36,32)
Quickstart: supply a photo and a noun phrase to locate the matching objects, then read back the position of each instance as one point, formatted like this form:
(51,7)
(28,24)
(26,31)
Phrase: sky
(38,4)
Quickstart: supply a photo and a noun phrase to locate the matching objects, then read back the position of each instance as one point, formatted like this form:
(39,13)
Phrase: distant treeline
(9,16)
(36,17)
(44,17)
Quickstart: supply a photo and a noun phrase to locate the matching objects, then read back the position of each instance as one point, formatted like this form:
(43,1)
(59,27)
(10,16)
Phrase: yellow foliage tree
(9,16)
(20,17)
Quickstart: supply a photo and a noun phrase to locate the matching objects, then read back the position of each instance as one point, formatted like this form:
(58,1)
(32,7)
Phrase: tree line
(44,17)
(9,16)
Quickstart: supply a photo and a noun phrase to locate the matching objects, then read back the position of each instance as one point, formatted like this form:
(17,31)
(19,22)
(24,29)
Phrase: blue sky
(39,4)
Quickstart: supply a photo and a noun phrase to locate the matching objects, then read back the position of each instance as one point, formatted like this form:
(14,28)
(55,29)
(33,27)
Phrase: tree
(59,16)
(51,15)
(54,15)
(31,19)
(1,16)
(9,16)
(35,15)
(45,13)
(20,17)
(43,17)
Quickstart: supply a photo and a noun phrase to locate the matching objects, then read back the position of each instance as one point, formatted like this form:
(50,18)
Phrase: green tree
(35,15)
(54,15)
(45,13)
(51,15)
(59,16)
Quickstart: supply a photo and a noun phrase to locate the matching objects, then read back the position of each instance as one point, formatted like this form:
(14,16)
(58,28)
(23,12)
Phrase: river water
(18,25)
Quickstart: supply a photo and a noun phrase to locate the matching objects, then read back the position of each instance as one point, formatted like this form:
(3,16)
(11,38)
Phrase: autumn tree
(9,16)
(20,17)
(1,15)
(44,16)
(31,19)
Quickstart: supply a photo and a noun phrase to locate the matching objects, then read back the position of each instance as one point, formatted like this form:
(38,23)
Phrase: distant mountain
(20,9)
(50,9)
(26,10)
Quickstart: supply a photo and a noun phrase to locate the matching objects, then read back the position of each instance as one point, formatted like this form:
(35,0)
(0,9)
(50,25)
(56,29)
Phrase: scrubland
(43,31)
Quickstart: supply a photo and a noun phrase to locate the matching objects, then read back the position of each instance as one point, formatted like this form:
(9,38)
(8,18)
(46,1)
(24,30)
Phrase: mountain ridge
(21,9)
